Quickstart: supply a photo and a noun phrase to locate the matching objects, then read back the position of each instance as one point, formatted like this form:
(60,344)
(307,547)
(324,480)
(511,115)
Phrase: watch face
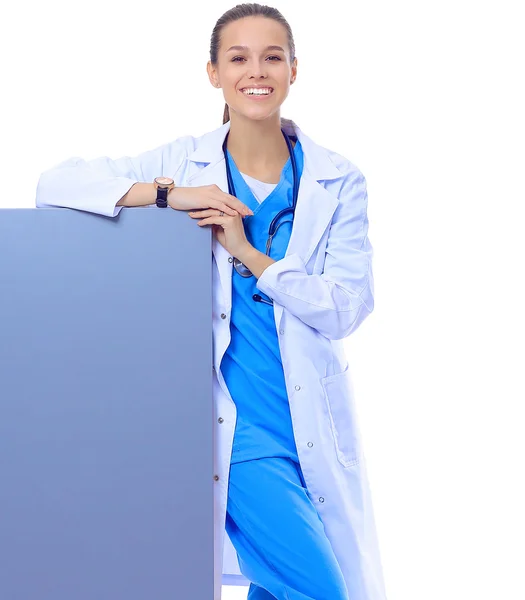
(163,180)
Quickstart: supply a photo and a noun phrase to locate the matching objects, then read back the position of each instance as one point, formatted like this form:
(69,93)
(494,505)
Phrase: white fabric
(260,189)
(322,291)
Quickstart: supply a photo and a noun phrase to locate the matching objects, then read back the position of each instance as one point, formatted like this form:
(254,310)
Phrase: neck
(257,143)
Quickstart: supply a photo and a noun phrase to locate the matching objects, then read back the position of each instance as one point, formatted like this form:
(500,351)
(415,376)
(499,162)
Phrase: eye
(234,59)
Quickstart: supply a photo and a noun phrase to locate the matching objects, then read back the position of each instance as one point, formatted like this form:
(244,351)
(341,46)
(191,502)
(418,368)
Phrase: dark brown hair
(239,12)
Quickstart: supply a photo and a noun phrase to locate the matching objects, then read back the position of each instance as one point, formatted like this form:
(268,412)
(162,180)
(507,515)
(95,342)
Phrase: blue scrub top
(252,366)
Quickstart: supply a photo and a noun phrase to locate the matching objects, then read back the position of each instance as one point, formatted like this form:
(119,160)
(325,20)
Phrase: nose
(257,69)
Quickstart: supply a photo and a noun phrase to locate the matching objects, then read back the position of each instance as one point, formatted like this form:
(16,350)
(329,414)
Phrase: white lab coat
(322,290)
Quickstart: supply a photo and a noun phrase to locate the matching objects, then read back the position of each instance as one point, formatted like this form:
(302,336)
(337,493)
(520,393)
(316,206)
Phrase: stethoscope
(238,265)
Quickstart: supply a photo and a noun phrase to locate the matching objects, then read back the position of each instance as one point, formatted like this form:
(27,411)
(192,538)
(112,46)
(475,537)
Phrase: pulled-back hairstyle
(239,12)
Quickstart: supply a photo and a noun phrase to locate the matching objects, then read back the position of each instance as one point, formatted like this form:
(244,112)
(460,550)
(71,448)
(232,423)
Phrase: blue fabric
(251,365)
(260,189)
(281,544)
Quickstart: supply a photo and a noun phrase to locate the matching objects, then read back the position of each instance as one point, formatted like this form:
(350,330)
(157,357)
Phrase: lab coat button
(321,499)
(310,444)
(297,387)
(213,368)
(220,419)
(281,331)
(230,259)
(216,477)
(223,316)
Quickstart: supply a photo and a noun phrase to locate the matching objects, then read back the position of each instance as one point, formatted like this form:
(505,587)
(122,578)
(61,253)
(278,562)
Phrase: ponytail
(226,115)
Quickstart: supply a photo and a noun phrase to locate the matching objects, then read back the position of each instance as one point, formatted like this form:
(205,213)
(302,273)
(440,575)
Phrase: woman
(291,486)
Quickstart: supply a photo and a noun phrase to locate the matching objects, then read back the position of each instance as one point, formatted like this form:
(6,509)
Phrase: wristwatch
(163,185)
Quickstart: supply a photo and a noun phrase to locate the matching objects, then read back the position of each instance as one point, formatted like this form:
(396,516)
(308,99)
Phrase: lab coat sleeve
(97,185)
(336,301)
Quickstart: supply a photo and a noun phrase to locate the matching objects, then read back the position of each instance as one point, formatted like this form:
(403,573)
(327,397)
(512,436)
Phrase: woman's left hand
(229,230)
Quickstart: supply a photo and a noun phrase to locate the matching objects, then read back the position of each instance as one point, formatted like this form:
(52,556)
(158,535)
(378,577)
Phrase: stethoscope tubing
(290,209)
(231,187)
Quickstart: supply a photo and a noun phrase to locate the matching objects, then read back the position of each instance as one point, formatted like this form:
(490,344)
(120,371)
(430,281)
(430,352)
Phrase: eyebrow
(241,48)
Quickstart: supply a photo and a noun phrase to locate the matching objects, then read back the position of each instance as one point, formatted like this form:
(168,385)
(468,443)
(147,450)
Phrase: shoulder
(324,163)
(203,148)
(348,169)
(186,143)
(340,176)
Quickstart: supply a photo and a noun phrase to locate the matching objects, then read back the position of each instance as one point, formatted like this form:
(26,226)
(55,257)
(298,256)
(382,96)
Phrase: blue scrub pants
(280,540)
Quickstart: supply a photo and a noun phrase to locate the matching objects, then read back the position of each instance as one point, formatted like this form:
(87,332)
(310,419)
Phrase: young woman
(292,278)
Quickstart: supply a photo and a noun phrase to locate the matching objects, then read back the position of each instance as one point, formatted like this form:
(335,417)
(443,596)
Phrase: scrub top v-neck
(252,366)
(260,189)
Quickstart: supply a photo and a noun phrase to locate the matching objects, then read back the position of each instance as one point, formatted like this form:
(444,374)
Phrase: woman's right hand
(206,196)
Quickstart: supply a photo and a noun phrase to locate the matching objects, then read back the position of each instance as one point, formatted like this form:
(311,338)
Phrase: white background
(427,99)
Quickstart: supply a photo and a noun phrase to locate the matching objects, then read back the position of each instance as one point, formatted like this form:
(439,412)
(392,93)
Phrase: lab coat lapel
(315,205)
(215,173)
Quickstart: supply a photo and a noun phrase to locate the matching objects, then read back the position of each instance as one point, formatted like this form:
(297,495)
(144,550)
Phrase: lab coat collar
(317,163)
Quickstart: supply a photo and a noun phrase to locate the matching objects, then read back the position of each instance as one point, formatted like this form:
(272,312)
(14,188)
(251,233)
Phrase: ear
(212,75)
(293,76)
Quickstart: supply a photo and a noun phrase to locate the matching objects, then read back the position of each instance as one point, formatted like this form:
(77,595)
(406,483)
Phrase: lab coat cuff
(103,203)
(268,282)
(120,187)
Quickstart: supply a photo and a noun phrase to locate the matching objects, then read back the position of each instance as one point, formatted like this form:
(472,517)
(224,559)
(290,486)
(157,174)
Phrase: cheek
(284,78)
(229,75)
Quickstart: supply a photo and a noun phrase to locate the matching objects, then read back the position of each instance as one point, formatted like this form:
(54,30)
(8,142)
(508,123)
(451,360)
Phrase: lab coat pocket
(339,397)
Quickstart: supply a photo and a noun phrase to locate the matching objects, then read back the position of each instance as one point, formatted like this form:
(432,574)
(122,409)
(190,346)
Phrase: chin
(258,115)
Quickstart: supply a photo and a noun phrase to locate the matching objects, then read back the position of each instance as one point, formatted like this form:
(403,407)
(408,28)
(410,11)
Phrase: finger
(198,214)
(239,206)
(214,220)
(232,203)
(244,210)
(218,205)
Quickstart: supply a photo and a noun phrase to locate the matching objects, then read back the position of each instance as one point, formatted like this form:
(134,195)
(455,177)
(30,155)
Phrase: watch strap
(162,197)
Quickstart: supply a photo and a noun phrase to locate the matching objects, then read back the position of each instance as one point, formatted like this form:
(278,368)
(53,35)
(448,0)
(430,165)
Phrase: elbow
(39,203)
(42,194)
(359,316)
(356,309)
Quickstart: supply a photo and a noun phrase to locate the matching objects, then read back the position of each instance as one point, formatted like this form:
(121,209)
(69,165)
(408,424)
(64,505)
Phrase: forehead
(254,32)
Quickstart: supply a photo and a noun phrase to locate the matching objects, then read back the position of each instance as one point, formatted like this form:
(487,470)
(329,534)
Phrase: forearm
(139,194)
(256,261)
(332,304)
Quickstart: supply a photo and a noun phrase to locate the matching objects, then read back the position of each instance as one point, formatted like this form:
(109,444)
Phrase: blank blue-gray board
(106,459)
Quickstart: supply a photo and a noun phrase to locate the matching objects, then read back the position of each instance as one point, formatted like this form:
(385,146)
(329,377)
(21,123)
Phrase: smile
(257,93)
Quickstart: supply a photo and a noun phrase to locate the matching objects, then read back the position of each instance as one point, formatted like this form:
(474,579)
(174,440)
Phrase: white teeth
(257,92)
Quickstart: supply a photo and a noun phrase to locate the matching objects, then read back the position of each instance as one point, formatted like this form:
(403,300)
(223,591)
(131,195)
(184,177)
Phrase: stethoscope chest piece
(241,268)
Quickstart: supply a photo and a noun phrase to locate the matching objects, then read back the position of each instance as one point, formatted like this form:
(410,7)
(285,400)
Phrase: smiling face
(254,53)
